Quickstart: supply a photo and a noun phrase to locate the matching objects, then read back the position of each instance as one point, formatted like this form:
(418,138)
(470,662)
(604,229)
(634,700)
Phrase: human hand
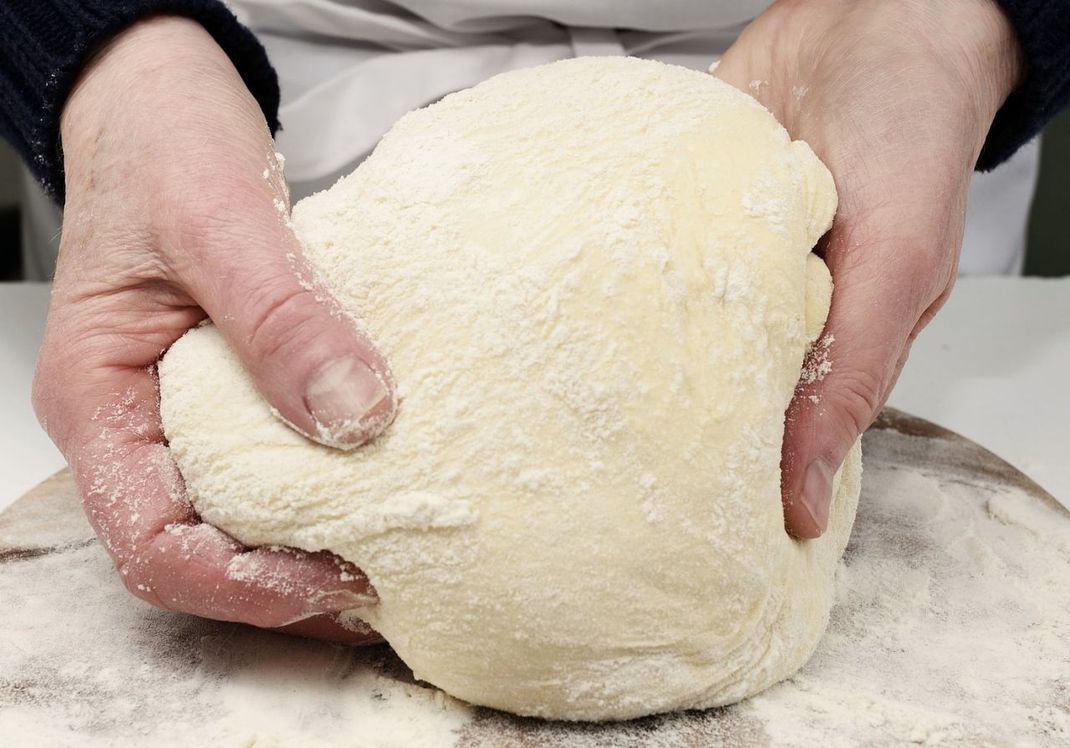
(176,211)
(897,99)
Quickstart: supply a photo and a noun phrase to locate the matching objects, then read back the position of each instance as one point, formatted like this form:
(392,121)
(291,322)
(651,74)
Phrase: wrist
(986,53)
(157,94)
(147,60)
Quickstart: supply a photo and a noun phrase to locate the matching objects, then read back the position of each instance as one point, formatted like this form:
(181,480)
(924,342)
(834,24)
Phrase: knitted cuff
(1043,30)
(45,43)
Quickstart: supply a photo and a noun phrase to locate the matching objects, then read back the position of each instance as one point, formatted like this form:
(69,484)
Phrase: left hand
(175,211)
(896,97)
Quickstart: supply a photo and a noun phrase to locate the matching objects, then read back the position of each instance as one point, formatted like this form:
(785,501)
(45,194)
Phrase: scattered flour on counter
(950,628)
(951,625)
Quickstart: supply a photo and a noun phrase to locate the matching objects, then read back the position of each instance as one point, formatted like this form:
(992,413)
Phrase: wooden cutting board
(952,627)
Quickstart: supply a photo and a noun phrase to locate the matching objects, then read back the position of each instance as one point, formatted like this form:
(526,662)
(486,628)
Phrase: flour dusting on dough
(594,285)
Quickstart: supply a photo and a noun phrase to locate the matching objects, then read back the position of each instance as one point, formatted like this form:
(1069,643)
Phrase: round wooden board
(954,587)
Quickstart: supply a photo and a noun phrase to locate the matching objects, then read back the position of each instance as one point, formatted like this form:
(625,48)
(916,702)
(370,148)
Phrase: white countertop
(993,366)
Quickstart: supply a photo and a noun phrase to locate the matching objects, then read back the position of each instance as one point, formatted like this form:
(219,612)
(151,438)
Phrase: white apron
(350,68)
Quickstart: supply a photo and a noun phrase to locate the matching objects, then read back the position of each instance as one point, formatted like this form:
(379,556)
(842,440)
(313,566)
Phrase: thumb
(308,359)
(849,372)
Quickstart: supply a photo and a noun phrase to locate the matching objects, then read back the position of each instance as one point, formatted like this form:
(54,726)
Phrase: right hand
(897,99)
(176,210)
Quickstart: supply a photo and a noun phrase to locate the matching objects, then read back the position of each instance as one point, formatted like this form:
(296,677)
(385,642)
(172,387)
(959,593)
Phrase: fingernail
(349,402)
(339,600)
(817,492)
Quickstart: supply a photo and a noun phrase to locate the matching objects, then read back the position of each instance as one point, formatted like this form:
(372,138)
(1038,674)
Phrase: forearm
(44,44)
(1042,28)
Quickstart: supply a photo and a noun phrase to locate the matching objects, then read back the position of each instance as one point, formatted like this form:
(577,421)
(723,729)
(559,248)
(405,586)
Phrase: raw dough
(594,284)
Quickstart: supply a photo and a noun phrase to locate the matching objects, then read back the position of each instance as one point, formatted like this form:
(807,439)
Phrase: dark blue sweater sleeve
(45,43)
(1043,30)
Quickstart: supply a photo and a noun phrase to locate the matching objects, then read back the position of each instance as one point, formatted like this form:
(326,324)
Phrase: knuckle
(138,582)
(265,618)
(41,390)
(215,215)
(858,395)
(46,394)
(929,277)
(204,225)
(279,319)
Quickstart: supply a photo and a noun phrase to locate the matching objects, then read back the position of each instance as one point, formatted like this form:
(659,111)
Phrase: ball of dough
(594,285)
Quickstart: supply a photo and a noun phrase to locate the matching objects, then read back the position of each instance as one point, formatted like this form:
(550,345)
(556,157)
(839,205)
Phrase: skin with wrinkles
(896,98)
(163,228)
(173,186)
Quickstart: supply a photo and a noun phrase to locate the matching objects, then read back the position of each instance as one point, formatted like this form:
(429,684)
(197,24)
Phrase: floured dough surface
(594,285)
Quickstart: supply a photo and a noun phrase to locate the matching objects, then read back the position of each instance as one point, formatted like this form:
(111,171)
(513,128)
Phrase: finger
(136,501)
(309,360)
(878,300)
(334,628)
(195,568)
